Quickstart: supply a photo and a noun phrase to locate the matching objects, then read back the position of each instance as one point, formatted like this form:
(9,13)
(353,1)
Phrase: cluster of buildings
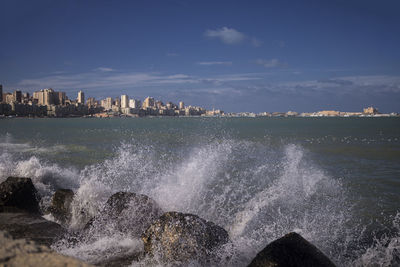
(45,102)
(149,107)
(367,112)
(50,103)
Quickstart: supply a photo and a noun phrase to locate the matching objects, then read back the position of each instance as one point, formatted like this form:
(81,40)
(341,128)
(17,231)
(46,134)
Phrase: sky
(236,56)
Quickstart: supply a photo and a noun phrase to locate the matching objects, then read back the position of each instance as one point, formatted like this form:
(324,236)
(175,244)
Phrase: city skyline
(236,56)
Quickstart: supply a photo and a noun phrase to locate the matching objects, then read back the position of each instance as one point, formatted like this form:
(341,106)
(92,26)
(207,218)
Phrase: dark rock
(18,194)
(292,250)
(60,206)
(127,213)
(30,226)
(22,252)
(122,260)
(182,237)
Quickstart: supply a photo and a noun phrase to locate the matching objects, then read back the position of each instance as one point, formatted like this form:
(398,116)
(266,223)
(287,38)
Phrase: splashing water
(256,192)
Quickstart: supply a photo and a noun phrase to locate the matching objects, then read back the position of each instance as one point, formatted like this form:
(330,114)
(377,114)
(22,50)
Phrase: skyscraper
(17,95)
(45,97)
(133,103)
(60,97)
(181,105)
(108,103)
(124,101)
(1,93)
(148,102)
(81,97)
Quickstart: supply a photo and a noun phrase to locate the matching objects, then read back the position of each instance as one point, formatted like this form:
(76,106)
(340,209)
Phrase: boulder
(127,213)
(21,252)
(31,227)
(19,194)
(292,250)
(60,206)
(179,237)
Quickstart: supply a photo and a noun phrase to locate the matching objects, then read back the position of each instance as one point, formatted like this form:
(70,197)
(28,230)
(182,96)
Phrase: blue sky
(234,55)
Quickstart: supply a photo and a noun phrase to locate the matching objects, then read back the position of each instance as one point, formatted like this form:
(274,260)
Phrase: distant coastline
(49,103)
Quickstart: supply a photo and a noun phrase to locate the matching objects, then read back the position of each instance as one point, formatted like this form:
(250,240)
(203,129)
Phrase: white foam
(257,192)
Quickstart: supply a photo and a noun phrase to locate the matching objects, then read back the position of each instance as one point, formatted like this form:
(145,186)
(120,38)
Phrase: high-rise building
(91,102)
(159,104)
(81,97)
(109,103)
(17,95)
(1,93)
(49,97)
(148,102)
(117,102)
(8,98)
(181,105)
(133,103)
(124,101)
(45,97)
(60,98)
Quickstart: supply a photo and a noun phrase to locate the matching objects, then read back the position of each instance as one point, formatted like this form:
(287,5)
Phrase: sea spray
(256,190)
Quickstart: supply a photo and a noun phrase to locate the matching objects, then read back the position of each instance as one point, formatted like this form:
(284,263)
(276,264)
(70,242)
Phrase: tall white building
(133,103)
(148,102)
(124,101)
(181,105)
(81,97)
(45,97)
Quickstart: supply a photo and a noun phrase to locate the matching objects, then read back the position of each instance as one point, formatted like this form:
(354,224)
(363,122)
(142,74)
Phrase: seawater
(336,181)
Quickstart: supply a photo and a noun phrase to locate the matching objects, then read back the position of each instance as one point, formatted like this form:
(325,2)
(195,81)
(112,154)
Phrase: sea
(335,181)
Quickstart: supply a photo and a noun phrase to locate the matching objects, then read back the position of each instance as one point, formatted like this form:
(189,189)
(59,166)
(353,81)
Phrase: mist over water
(258,179)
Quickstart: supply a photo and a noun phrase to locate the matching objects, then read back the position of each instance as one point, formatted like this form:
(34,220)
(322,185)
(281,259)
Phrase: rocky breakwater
(25,235)
(60,206)
(170,238)
(180,237)
(125,212)
(20,214)
(292,250)
(21,252)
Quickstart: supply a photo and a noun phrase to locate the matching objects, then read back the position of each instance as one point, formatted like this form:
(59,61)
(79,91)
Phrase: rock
(292,250)
(182,237)
(60,206)
(30,226)
(18,194)
(127,213)
(27,253)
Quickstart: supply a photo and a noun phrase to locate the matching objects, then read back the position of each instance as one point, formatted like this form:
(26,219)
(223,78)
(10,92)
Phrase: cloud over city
(210,63)
(270,63)
(226,89)
(231,36)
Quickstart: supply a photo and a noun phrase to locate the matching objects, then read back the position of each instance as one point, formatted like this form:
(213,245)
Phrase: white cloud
(96,80)
(271,63)
(210,63)
(226,35)
(373,84)
(104,69)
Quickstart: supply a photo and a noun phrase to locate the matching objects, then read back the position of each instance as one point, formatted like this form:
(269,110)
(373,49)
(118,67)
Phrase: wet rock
(21,252)
(124,260)
(30,226)
(18,194)
(127,213)
(182,237)
(60,206)
(292,250)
